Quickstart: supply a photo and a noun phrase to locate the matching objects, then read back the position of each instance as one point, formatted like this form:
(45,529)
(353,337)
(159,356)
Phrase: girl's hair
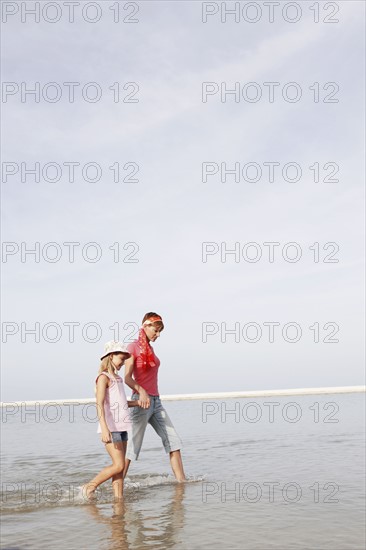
(157,324)
(106,365)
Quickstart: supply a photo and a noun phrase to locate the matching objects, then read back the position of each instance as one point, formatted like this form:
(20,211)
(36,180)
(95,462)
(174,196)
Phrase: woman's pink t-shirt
(115,405)
(147,377)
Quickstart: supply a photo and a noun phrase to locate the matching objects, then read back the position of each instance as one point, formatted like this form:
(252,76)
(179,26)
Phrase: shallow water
(283,473)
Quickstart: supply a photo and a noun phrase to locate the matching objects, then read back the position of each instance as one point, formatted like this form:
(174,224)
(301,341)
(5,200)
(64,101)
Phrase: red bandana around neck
(146,352)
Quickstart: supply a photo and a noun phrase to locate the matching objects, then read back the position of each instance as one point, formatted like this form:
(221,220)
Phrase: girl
(113,418)
(141,375)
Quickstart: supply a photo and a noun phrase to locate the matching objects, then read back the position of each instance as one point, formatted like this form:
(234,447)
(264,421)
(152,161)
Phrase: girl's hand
(106,436)
(133,403)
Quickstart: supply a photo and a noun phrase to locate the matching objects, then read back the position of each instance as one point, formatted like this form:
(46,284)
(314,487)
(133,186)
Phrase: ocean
(266,473)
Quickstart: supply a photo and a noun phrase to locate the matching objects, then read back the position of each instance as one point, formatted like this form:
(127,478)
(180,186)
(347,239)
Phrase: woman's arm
(144,399)
(102,384)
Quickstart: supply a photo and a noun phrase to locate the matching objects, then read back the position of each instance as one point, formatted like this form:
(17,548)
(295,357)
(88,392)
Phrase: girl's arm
(144,399)
(102,384)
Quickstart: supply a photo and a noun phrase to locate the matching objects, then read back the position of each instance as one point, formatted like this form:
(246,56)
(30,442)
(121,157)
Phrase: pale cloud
(170,132)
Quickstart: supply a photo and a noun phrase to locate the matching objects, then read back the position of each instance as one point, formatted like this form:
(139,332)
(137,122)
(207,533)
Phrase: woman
(141,375)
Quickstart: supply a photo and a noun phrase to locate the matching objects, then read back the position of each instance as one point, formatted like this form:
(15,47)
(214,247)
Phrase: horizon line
(212,395)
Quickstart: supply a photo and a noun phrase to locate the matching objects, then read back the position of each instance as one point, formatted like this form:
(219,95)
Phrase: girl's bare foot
(88,491)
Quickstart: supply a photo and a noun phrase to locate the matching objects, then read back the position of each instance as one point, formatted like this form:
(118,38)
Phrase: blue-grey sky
(170,211)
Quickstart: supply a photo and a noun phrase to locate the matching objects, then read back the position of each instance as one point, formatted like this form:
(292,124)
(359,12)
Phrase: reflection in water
(133,526)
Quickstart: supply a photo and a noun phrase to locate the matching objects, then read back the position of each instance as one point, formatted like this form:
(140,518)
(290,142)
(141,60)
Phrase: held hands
(144,399)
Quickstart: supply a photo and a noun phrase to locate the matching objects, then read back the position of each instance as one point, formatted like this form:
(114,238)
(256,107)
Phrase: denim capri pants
(157,416)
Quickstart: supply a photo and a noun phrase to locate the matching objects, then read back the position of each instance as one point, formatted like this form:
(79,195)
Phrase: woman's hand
(144,399)
(106,436)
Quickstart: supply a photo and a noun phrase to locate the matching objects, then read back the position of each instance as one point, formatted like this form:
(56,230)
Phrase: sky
(157,235)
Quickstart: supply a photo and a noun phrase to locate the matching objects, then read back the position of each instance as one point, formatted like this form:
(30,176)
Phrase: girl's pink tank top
(115,405)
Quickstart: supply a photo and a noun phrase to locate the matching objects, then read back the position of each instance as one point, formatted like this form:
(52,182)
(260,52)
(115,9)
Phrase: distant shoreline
(214,395)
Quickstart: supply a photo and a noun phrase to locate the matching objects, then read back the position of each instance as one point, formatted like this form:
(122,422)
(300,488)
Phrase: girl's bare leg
(177,465)
(117,479)
(127,465)
(117,453)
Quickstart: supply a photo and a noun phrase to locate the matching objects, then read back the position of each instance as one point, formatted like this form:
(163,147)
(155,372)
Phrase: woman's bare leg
(177,465)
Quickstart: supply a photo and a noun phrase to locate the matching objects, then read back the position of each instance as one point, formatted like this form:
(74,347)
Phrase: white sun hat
(114,347)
